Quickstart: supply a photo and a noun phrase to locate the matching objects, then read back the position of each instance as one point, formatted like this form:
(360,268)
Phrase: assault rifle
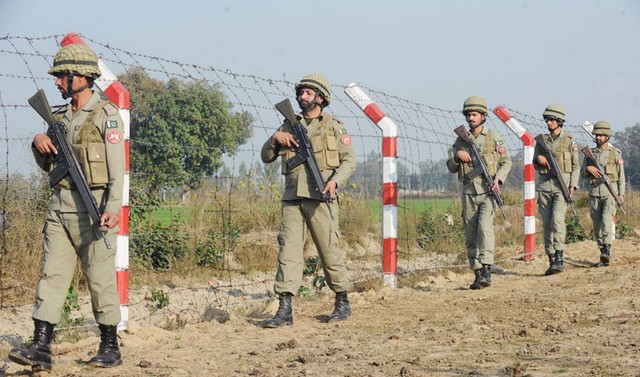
(556,172)
(480,167)
(604,177)
(304,151)
(67,163)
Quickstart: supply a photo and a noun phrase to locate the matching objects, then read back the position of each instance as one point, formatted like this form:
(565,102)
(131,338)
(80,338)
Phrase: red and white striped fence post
(529,181)
(119,95)
(389,182)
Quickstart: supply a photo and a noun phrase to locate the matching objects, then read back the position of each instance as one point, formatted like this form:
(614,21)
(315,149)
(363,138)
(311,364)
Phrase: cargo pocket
(96,156)
(81,154)
(318,143)
(331,153)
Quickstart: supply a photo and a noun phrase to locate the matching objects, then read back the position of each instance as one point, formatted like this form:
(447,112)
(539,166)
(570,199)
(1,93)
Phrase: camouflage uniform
(602,205)
(68,231)
(302,206)
(552,205)
(95,132)
(478,206)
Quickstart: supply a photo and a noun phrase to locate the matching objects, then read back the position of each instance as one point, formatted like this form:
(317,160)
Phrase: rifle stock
(67,162)
(304,151)
(556,173)
(604,177)
(480,167)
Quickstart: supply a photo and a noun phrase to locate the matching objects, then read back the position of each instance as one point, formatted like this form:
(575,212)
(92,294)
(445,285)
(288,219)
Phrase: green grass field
(408,206)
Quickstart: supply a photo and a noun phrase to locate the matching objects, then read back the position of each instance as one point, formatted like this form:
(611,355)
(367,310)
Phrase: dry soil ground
(582,322)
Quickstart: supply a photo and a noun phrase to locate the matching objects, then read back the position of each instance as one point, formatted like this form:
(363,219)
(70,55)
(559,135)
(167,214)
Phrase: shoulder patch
(345,139)
(343,131)
(112,124)
(114,136)
(499,142)
(110,109)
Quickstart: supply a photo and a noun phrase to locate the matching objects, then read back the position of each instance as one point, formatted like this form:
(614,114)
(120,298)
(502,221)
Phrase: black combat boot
(38,354)
(284,315)
(108,352)
(476,283)
(485,278)
(552,262)
(341,308)
(558,264)
(605,255)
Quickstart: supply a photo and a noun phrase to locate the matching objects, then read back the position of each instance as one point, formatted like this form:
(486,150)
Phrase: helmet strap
(310,104)
(67,93)
(70,90)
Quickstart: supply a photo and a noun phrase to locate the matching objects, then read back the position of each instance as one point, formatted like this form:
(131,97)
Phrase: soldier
(301,204)
(551,201)
(602,205)
(478,205)
(95,130)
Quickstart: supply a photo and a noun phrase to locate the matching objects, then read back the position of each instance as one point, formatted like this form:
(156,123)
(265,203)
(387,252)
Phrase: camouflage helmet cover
(475,103)
(554,112)
(602,127)
(77,58)
(318,83)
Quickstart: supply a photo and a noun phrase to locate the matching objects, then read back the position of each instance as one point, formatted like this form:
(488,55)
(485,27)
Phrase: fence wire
(425,135)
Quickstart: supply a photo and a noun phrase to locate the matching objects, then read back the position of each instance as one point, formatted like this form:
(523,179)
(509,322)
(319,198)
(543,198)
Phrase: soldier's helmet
(475,103)
(602,127)
(555,112)
(76,58)
(319,84)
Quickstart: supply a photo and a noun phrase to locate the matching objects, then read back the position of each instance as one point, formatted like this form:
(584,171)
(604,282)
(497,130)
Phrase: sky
(583,54)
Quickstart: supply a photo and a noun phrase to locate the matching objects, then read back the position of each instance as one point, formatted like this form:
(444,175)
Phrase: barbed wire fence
(425,135)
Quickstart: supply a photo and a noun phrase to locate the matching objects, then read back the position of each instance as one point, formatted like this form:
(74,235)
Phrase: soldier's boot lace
(552,262)
(476,283)
(485,278)
(108,352)
(605,255)
(38,354)
(284,315)
(558,262)
(341,308)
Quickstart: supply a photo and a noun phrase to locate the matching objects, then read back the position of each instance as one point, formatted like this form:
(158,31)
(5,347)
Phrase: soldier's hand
(621,198)
(595,172)
(572,190)
(109,219)
(331,188)
(496,186)
(463,156)
(44,145)
(542,160)
(284,139)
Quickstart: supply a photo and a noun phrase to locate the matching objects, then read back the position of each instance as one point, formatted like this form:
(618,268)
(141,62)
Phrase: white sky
(583,54)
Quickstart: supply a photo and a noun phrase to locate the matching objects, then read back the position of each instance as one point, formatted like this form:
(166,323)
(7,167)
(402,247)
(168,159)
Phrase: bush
(439,231)
(575,230)
(155,246)
(211,250)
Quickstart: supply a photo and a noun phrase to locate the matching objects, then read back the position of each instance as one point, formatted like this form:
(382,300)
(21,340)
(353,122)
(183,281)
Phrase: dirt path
(583,322)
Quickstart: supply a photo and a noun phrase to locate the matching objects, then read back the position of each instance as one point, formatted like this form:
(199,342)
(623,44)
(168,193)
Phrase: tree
(179,130)
(629,143)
